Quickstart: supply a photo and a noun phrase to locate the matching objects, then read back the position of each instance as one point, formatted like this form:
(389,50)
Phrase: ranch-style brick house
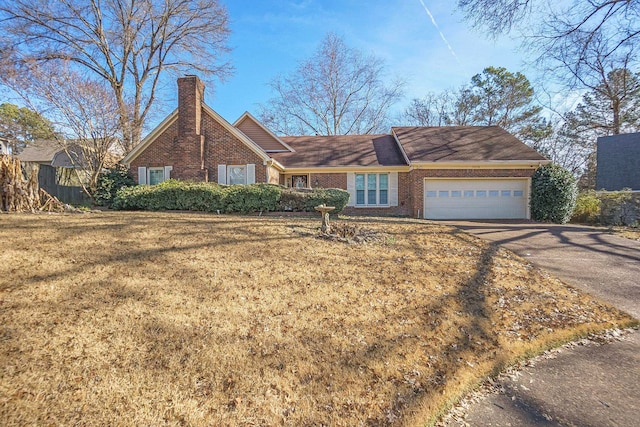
(452,172)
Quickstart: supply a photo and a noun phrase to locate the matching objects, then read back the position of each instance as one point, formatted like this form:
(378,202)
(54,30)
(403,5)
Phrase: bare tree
(127,44)
(85,115)
(434,109)
(339,90)
(567,38)
(496,16)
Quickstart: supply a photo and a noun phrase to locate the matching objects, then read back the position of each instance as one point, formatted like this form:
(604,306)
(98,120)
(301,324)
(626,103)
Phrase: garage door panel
(475,199)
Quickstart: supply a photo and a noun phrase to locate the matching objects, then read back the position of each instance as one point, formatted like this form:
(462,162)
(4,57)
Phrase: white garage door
(475,198)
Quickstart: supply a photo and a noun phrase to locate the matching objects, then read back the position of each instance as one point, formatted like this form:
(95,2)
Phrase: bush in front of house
(587,210)
(209,197)
(251,198)
(109,182)
(306,200)
(553,194)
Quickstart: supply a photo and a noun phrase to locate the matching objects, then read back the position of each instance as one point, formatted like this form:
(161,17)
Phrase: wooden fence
(65,193)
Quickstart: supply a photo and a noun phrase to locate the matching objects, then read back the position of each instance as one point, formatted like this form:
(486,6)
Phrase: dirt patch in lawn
(193,319)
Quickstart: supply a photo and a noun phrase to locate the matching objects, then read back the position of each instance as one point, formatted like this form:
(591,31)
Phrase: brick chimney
(190,100)
(190,150)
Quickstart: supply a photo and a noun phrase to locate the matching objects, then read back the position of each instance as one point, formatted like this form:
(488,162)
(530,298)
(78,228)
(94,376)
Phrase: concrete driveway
(583,386)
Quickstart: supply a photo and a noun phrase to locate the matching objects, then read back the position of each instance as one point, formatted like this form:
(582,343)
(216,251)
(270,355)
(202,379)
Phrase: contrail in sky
(435,24)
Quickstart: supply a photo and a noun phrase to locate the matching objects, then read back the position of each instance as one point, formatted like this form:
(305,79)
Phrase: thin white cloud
(435,24)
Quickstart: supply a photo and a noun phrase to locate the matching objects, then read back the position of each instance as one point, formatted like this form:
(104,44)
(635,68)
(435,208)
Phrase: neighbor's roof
(340,151)
(463,144)
(40,151)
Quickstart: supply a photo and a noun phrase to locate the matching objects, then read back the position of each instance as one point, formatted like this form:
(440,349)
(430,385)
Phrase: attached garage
(476,198)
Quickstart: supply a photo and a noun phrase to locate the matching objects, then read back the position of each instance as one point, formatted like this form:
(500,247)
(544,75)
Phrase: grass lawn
(191,319)
(632,233)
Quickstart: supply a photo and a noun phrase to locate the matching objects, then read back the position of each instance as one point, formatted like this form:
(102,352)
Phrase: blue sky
(270,38)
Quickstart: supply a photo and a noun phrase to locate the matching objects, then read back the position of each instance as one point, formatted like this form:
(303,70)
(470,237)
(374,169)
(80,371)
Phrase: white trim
(404,153)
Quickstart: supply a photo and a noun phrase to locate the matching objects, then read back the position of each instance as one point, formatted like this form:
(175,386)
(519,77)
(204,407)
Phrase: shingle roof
(41,151)
(462,143)
(343,150)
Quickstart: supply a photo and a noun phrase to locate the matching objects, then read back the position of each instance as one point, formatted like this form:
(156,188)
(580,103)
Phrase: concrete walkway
(584,385)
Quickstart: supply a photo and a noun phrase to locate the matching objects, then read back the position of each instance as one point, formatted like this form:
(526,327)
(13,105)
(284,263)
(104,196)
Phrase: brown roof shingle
(341,150)
(40,151)
(462,143)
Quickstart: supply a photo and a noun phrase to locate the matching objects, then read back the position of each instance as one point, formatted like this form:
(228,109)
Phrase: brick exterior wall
(328,180)
(196,143)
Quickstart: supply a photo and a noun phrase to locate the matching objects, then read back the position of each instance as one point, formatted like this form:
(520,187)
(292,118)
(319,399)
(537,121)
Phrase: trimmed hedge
(306,200)
(211,197)
(553,194)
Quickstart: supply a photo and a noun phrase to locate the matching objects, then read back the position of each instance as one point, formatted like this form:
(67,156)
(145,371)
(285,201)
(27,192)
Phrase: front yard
(195,319)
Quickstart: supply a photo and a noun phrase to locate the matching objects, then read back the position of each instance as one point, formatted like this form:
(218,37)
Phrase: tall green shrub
(553,194)
(109,182)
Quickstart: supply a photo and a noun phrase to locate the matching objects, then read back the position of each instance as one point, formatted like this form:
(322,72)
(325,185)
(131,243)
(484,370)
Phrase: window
(372,189)
(493,193)
(468,193)
(518,193)
(443,194)
(156,175)
(237,175)
(505,193)
(299,181)
(456,193)
(432,194)
(383,189)
(481,193)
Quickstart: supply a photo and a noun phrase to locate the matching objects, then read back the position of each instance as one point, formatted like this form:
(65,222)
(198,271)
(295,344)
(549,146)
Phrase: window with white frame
(236,175)
(372,189)
(156,175)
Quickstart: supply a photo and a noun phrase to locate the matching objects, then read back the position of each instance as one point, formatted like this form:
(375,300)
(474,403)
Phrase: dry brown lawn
(194,319)
(627,232)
